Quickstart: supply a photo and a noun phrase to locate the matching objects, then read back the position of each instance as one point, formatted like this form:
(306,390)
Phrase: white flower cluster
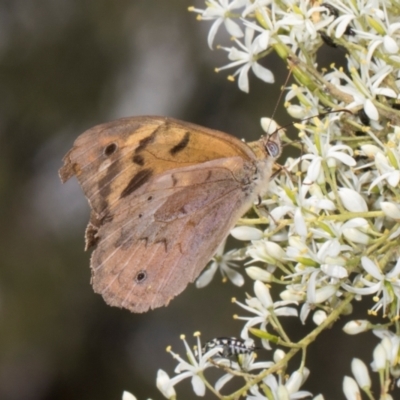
(328,232)
(198,362)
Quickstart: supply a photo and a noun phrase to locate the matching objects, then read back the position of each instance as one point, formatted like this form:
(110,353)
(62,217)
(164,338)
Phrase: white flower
(223,262)
(353,230)
(297,205)
(385,285)
(388,172)
(341,23)
(247,58)
(329,154)
(221,11)
(263,306)
(391,344)
(362,88)
(247,363)
(265,251)
(303,28)
(386,33)
(192,369)
(254,5)
(290,389)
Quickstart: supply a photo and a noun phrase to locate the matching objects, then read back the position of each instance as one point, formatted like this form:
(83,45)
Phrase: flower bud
(361,374)
(324,293)
(128,396)
(379,356)
(258,274)
(319,317)
(354,235)
(350,389)
(291,295)
(391,210)
(352,200)
(278,355)
(370,150)
(268,125)
(246,233)
(356,326)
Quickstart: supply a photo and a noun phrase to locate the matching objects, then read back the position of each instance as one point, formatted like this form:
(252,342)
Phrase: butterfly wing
(118,157)
(163,194)
(162,239)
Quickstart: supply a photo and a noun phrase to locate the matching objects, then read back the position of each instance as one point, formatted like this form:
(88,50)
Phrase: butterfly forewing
(164,194)
(113,159)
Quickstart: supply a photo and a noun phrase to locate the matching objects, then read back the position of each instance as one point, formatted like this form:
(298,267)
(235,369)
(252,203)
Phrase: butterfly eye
(141,276)
(110,149)
(273,149)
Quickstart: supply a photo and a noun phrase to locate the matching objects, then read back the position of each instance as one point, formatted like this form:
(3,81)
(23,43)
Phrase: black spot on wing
(145,142)
(138,159)
(141,276)
(181,145)
(137,181)
(110,149)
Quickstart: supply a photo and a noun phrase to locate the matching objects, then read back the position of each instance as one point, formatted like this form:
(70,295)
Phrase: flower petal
(371,110)
(390,45)
(262,293)
(352,200)
(243,81)
(221,382)
(372,268)
(206,277)
(263,73)
(235,277)
(213,31)
(198,386)
(233,28)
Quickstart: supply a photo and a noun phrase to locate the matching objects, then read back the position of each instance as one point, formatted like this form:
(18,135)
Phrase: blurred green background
(66,65)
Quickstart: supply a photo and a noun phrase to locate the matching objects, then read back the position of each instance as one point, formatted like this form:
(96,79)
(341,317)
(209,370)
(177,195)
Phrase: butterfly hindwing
(162,237)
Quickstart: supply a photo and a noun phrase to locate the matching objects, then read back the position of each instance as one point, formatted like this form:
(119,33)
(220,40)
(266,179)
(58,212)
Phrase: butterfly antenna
(279,99)
(320,115)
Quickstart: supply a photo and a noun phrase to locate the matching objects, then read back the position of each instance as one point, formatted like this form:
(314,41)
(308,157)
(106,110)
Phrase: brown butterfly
(164,194)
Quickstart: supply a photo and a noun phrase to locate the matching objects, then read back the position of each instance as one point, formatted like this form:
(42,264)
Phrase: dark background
(66,65)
